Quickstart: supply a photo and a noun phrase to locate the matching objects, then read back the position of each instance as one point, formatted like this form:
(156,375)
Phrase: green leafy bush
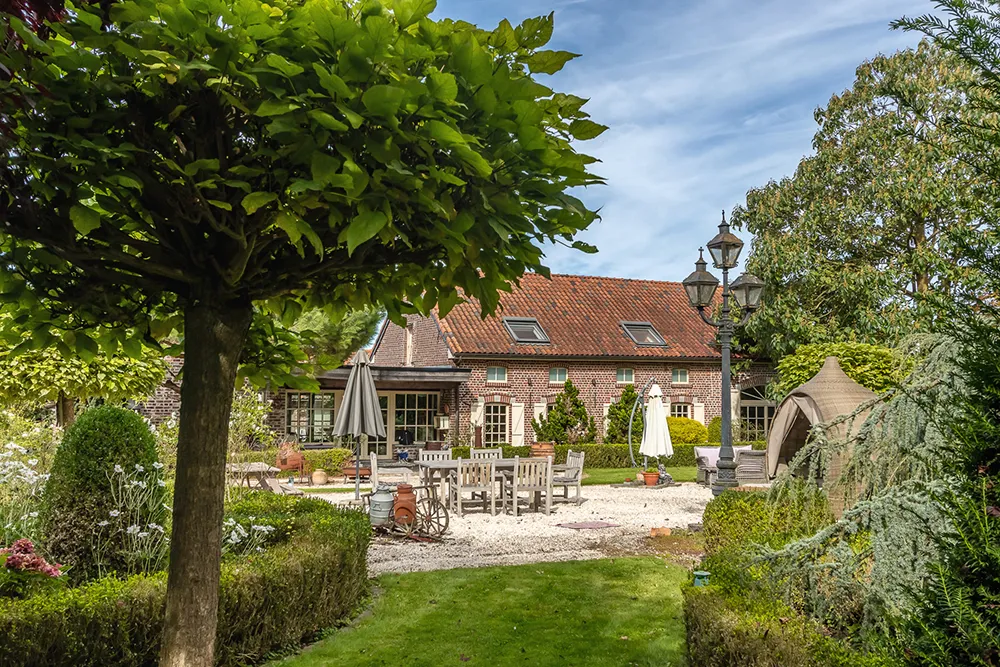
(725,630)
(871,366)
(271,600)
(715,429)
(330,460)
(27,448)
(509,452)
(619,413)
(567,421)
(78,495)
(684,431)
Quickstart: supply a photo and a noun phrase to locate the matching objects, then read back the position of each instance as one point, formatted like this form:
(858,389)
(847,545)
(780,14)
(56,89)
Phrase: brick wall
(428,345)
(528,383)
(165,401)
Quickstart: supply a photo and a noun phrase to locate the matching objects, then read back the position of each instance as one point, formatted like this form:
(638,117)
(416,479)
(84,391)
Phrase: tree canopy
(862,242)
(182,165)
(872,366)
(330,341)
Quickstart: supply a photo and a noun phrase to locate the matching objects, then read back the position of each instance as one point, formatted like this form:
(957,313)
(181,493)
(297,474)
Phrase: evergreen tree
(567,421)
(619,414)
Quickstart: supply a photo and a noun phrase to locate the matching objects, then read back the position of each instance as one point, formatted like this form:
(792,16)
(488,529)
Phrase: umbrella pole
(357,469)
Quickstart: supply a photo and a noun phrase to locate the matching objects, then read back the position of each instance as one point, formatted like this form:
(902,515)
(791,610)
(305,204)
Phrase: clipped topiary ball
(78,495)
(686,431)
(715,429)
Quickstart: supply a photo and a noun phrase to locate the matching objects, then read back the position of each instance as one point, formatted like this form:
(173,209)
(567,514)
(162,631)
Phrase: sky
(704,99)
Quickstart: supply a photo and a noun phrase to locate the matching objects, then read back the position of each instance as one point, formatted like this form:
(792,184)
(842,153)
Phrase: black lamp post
(747,289)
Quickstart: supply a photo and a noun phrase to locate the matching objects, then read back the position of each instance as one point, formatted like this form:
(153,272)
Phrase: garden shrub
(509,452)
(619,414)
(610,455)
(686,431)
(725,629)
(330,460)
(78,495)
(271,600)
(567,421)
(715,429)
(871,366)
(27,448)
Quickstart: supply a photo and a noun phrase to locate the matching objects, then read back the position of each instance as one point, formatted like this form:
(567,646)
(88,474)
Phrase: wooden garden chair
(570,475)
(473,477)
(486,453)
(532,476)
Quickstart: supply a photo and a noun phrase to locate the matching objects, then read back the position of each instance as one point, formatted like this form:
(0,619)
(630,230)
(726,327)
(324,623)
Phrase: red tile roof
(582,317)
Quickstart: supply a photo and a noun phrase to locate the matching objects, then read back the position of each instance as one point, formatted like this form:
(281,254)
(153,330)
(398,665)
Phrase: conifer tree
(567,421)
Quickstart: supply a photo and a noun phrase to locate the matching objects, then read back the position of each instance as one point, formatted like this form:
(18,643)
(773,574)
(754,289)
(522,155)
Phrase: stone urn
(319,477)
(540,450)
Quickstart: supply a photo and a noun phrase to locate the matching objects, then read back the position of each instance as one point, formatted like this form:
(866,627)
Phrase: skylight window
(643,333)
(525,330)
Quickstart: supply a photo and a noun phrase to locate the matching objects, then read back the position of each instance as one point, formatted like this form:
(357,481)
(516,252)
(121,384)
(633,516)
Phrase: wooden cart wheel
(432,517)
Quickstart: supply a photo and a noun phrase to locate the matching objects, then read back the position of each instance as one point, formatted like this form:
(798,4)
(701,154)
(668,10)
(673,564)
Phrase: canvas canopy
(826,396)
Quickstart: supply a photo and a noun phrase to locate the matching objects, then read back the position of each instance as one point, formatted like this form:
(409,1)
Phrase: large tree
(860,244)
(330,341)
(182,163)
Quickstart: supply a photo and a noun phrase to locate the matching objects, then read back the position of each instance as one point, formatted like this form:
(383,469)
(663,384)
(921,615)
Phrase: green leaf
(586,129)
(255,200)
(363,227)
(503,38)
(585,247)
(279,63)
(549,62)
(86,347)
(199,165)
(442,86)
(221,204)
(275,108)
(327,121)
(536,32)
(473,62)
(333,83)
(383,100)
(84,219)
(474,160)
(408,12)
(324,167)
(355,119)
(289,222)
(444,133)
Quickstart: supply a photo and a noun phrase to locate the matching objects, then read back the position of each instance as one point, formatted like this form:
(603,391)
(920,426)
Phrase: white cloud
(704,100)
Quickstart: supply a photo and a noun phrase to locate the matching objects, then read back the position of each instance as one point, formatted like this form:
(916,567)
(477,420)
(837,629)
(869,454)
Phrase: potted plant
(651,475)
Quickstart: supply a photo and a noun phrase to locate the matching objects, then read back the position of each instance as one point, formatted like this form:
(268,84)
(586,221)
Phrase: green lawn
(618,475)
(623,611)
(328,489)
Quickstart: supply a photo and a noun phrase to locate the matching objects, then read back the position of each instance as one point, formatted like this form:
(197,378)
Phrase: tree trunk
(214,336)
(65,410)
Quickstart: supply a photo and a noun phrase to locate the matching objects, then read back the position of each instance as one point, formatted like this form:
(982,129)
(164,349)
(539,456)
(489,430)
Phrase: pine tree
(619,414)
(567,421)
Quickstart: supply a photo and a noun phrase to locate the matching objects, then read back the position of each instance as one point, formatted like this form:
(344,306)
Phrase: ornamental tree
(872,366)
(182,163)
(619,414)
(567,420)
(864,241)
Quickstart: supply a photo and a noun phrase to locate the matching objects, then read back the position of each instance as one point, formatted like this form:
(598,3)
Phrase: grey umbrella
(359,411)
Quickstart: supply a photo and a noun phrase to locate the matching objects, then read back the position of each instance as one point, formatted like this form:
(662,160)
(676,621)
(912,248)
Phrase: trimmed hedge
(271,600)
(686,431)
(611,455)
(725,630)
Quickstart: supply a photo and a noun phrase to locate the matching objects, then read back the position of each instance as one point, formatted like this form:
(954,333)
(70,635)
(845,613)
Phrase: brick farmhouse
(462,379)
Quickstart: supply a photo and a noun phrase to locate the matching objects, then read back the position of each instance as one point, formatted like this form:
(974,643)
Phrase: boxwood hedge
(270,600)
(611,455)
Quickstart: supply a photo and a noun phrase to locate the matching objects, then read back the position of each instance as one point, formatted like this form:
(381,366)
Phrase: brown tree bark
(214,336)
(65,410)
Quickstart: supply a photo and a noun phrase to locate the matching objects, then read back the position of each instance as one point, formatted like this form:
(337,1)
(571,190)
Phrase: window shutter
(698,412)
(607,406)
(476,413)
(517,424)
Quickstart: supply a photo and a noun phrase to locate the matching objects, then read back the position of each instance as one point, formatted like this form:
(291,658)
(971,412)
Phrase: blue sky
(705,99)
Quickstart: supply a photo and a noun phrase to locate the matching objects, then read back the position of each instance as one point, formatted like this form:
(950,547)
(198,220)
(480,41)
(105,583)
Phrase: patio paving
(478,539)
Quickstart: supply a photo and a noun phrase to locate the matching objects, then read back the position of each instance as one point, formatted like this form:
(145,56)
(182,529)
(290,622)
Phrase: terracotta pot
(404,509)
(542,449)
(320,477)
(651,478)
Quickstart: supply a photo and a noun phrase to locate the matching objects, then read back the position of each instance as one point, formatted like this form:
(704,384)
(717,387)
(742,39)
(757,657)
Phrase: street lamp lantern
(747,290)
(725,247)
(700,285)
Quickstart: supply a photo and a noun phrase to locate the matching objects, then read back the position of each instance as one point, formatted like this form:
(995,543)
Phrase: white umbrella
(655,434)
(359,411)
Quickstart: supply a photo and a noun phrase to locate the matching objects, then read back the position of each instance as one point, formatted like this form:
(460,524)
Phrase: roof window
(643,333)
(525,330)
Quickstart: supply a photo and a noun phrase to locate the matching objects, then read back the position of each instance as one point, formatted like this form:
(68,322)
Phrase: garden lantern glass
(725,247)
(747,290)
(700,285)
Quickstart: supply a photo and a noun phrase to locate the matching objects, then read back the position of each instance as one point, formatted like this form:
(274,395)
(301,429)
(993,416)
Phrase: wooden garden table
(244,472)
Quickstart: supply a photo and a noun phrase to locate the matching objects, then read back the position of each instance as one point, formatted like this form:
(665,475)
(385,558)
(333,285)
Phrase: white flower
(160,482)
(102,524)
(168,507)
(158,465)
(141,484)
(144,534)
(139,468)
(32,462)
(132,530)
(114,513)
(118,468)
(33,515)
(156,527)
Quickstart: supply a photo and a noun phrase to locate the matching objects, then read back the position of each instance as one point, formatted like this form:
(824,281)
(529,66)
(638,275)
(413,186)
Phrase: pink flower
(21,557)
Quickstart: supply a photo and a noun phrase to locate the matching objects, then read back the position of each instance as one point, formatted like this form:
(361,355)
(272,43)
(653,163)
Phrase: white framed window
(557,375)
(679,376)
(756,413)
(415,413)
(496,374)
(680,410)
(309,417)
(496,420)
(625,376)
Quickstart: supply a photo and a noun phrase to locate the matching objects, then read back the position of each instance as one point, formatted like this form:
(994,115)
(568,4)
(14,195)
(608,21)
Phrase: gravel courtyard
(478,539)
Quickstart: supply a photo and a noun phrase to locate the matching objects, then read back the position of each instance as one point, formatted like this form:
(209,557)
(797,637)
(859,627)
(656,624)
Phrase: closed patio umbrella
(655,434)
(359,411)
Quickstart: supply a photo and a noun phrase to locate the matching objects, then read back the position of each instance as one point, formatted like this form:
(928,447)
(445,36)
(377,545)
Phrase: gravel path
(478,539)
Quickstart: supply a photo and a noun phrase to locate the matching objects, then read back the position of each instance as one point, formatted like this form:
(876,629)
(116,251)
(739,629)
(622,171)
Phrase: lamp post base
(725,477)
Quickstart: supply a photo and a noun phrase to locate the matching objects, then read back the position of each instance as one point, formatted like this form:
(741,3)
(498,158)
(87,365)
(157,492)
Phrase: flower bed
(307,575)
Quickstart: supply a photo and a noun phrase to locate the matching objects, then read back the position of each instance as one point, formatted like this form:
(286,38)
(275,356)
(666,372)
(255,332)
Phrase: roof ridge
(637,280)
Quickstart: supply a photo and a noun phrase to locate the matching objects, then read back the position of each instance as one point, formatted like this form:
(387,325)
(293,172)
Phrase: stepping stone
(587,525)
